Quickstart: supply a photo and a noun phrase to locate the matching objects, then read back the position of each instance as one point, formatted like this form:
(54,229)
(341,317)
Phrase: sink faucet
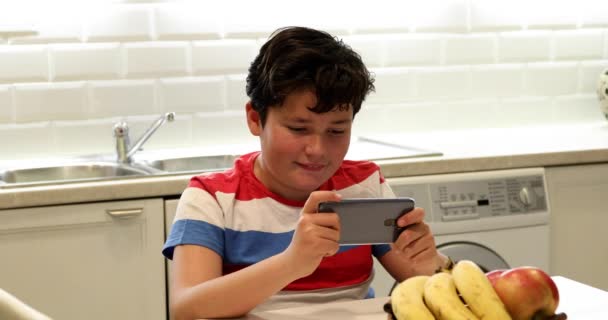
(124,150)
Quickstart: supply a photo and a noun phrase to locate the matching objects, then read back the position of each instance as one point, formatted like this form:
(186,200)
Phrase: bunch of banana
(477,291)
(407,300)
(464,293)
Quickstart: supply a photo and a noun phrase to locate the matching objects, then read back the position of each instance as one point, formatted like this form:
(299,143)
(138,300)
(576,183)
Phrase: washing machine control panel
(478,198)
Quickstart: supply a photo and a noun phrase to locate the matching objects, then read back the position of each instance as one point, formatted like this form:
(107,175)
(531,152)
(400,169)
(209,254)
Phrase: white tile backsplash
(590,74)
(520,46)
(544,14)
(50,101)
(550,79)
(496,15)
(236,94)
(239,23)
(24,63)
(26,140)
(367,17)
(579,44)
(393,85)
(122,98)
(230,127)
(478,113)
(504,80)
(55,25)
(440,15)
(189,20)
(439,65)
(470,49)
(443,83)
(578,108)
(84,137)
(6,105)
(155,59)
(16,17)
(606,44)
(412,49)
(371,48)
(86,61)
(525,111)
(223,56)
(393,117)
(594,13)
(118,23)
(192,94)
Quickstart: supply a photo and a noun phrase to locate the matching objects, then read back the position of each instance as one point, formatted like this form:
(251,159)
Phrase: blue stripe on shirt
(194,232)
(237,247)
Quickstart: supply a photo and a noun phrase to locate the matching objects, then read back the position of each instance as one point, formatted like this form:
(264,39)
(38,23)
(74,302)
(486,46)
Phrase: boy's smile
(301,149)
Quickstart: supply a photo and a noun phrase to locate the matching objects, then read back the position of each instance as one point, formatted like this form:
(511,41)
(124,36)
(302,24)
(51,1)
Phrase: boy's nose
(314,145)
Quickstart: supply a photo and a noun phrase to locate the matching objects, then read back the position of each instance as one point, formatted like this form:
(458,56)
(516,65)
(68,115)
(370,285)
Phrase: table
(579,301)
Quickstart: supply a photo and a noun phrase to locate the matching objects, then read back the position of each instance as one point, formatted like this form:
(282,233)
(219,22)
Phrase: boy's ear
(253,120)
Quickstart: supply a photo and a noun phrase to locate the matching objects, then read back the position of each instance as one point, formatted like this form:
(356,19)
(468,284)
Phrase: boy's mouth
(311,166)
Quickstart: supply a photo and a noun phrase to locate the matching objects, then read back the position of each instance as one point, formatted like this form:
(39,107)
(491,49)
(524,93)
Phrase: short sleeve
(199,220)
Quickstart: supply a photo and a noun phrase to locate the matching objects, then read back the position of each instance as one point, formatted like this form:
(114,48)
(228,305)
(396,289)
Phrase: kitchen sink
(70,172)
(189,164)
(105,167)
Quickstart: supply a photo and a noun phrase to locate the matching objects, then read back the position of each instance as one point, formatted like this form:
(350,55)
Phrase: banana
(407,300)
(477,291)
(442,299)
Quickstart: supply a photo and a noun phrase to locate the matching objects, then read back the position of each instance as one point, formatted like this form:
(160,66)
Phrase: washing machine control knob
(527,197)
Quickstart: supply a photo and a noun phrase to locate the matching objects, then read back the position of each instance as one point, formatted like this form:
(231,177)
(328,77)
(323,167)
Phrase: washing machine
(499,219)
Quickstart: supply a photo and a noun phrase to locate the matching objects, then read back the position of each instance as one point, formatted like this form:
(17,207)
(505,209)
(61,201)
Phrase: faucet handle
(170,116)
(121,129)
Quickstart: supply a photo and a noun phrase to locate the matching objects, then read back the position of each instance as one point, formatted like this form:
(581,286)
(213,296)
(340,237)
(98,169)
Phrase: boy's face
(300,149)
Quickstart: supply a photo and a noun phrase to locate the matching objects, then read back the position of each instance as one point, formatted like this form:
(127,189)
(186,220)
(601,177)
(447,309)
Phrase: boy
(250,237)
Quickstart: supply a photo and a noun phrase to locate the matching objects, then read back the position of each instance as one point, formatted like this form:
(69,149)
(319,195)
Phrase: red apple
(494,274)
(527,292)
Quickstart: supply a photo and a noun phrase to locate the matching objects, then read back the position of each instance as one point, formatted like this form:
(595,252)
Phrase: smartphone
(369,220)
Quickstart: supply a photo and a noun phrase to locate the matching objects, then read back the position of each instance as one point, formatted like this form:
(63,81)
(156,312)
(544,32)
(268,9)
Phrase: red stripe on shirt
(241,180)
(346,268)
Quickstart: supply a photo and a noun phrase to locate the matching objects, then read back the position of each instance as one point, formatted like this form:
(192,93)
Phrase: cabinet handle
(125,213)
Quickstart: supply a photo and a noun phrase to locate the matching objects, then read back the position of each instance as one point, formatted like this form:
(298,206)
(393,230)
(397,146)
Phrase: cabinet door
(170,210)
(579,216)
(86,261)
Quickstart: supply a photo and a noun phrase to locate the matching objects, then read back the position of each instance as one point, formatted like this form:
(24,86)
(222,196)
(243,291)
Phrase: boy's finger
(312,203)
(412,217)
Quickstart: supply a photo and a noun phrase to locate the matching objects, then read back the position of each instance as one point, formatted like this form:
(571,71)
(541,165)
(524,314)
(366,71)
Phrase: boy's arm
(199,290)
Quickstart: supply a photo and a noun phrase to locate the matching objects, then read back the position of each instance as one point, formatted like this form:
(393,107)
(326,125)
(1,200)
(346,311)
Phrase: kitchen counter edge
(165,186)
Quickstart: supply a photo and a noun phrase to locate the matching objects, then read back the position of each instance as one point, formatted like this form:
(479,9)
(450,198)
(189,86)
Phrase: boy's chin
(308,185)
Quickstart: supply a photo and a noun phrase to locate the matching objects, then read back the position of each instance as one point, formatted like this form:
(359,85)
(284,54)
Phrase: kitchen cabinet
(579,216)
(86,261)
(170,210)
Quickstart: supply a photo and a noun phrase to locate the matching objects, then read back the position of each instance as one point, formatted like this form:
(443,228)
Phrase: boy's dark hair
(296,58)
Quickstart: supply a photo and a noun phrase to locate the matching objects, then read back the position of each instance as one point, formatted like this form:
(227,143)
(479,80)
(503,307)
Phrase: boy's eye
(296,129)
(336,131)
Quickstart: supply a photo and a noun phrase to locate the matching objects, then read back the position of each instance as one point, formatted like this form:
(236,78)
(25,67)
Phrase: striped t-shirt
(235,215)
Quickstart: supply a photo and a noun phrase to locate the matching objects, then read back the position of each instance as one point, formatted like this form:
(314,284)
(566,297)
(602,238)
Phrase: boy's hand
(416,243)
(316,235)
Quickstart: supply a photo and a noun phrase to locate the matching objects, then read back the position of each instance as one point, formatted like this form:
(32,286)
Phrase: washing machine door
(486,258)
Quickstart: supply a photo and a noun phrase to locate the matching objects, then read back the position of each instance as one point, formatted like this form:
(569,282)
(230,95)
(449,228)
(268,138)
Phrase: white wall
(439,64)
